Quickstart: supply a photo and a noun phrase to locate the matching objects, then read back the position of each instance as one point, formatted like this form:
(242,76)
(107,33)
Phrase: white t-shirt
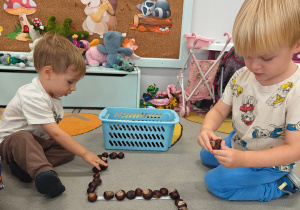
(261,114)
(30,107)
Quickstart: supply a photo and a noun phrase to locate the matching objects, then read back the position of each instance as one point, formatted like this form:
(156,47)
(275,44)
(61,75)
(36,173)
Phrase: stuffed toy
(19,60)
(124,65)
(112,41)
(94,57)
(65,30)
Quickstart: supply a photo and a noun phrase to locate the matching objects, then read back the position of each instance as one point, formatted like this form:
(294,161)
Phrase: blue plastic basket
(138,128)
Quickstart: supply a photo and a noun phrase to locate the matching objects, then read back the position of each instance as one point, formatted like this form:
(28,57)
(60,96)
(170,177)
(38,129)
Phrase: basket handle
(103,113)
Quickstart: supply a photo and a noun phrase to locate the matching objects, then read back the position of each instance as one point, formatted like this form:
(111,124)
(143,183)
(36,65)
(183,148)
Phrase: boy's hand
(205,137)
(93,159)
(228,157)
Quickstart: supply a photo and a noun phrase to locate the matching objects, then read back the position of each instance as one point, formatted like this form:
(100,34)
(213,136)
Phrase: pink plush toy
(94,57)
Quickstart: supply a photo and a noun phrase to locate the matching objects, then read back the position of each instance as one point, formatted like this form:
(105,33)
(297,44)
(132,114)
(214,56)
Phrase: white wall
(211,18)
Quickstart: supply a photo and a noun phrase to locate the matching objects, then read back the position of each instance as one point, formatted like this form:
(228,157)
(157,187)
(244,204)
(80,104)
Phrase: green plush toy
(65,30)
(124,65)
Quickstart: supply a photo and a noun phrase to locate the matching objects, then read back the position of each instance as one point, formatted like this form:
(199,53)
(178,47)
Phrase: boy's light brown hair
(264,26)
(58,52)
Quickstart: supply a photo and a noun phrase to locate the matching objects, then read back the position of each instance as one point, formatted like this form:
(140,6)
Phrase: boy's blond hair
(58,52)
(264,26)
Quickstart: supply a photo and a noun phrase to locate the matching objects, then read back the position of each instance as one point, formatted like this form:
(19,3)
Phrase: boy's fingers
(223,145)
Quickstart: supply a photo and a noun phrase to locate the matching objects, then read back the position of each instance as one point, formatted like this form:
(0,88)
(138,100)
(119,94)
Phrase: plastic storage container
(201,41)
(138,128)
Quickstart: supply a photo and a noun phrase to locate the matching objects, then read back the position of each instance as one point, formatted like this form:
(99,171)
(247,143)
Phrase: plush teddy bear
(112,41)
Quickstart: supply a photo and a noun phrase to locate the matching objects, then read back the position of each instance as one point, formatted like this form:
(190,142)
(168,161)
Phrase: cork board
(150,44)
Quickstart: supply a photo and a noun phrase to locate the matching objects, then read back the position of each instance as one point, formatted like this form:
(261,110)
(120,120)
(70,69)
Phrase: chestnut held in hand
(108,195)
(92,197)
(216,144)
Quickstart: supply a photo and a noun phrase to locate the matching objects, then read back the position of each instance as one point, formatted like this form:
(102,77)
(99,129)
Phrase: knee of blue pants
(208,159)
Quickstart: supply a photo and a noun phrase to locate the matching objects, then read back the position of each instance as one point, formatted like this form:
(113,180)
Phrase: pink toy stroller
(201,73)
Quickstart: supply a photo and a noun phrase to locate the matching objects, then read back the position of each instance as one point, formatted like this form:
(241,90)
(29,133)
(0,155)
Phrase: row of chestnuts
(92,196)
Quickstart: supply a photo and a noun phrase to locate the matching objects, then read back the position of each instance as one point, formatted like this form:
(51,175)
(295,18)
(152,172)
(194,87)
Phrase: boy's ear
(297,47)
(47,72)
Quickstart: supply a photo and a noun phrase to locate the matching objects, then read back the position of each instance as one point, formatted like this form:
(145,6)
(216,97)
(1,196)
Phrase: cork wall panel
(150,44)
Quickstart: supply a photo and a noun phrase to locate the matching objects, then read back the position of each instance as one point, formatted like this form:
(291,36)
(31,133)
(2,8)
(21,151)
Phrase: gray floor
(179,168)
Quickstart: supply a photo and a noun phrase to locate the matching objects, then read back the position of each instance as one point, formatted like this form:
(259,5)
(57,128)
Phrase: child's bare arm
(70,144)
(212,121)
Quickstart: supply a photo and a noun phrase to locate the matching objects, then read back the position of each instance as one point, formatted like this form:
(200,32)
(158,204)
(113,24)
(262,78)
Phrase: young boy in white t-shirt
(255,161)
(30,139)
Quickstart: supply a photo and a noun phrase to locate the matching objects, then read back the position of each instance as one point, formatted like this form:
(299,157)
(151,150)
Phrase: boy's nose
(254,64)
(73,88)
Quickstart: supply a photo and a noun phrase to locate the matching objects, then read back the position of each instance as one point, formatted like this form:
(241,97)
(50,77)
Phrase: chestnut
(216,144)
(93,184)
(95,170)
(103,168)
(130,194)
(164,191)
(104,159)
(96,175)
(174,194)
(177,200)
(92,197)
(91,190)
(108,195)
(121,155)
(157,194)
(113,155)
(181,204)
(147,194)
(138,192)
(98,181)
(105,154)
(120,195)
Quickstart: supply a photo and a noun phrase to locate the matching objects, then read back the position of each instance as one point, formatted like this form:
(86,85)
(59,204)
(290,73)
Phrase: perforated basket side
(134,136)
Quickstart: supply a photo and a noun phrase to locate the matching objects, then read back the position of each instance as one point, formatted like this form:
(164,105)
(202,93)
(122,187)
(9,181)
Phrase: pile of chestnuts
(120,195)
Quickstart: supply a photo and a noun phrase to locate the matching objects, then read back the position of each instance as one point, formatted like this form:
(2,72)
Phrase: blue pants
(241,183)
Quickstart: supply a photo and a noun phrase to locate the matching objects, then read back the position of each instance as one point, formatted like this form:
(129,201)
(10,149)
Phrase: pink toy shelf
(201,41)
